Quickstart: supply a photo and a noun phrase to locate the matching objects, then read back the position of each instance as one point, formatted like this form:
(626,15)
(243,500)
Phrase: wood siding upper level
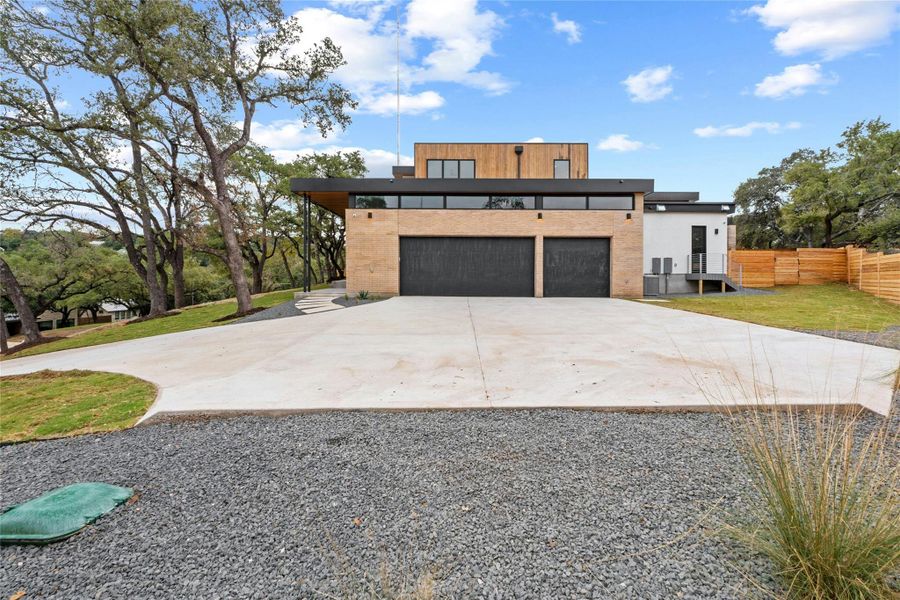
(499,161)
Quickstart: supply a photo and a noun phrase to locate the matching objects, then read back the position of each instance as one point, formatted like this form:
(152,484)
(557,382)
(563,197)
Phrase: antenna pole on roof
(398,84)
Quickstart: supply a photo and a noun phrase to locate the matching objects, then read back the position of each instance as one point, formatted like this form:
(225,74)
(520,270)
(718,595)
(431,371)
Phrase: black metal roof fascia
(665,197)
(708,207)
(473,186)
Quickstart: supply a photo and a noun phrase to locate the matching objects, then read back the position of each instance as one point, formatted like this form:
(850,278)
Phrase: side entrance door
(698,249)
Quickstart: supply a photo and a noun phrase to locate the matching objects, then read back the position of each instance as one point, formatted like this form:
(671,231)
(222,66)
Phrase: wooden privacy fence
(803,266)
(875,273)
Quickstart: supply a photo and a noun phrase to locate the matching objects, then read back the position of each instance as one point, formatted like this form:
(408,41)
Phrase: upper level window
(450,169)
(611,202)
(560,169)
(421,202)
(565,202)
(491,202)
(514,202)
(378,201)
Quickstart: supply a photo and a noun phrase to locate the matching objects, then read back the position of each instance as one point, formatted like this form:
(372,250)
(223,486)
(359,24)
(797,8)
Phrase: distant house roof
(112,307)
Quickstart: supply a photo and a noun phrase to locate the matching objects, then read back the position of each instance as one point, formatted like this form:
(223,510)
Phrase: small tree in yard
(212,60)
(258,205)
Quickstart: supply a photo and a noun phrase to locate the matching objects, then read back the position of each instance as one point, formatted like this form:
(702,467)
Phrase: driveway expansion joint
(487,396)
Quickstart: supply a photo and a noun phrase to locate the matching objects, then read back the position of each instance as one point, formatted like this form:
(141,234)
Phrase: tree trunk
(158,298)
(258,276)
(178,272)
(303,258)
(163,278)
(287,268)
(65,311)
(233,258)
(829,228)
(11,288)
(4,334)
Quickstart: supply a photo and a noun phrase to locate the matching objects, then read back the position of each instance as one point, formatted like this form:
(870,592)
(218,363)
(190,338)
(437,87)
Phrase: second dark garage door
(576,267)
(466,266)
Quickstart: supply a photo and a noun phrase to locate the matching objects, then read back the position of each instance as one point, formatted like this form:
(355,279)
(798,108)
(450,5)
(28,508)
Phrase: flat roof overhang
(334,194)
(666,197)
(724,208)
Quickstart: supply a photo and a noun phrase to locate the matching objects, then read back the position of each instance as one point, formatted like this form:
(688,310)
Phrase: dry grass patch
(826,508)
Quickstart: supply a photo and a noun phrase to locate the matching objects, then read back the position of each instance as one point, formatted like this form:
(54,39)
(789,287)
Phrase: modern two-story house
(493,219)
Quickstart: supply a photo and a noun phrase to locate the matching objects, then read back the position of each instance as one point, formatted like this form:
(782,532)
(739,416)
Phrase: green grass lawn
(834,306)
(50,404)
(189,318)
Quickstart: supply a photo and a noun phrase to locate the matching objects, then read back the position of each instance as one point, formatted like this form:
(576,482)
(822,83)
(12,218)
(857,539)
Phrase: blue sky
(697,95)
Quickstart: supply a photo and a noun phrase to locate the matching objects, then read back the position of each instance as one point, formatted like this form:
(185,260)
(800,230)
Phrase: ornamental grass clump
(826,508)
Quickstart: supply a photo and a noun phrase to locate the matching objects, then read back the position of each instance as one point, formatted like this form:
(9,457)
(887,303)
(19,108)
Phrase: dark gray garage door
(576,267)
(466,266)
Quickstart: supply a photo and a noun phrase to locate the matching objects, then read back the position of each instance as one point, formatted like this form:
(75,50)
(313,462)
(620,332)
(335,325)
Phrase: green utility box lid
(59,513)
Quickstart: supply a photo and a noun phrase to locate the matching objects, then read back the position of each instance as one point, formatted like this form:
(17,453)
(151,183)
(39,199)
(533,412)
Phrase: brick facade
(373,244)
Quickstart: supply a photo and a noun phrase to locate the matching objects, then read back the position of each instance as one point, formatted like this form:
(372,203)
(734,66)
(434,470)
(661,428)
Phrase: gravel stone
(497,504)
(888,338)
(279,311)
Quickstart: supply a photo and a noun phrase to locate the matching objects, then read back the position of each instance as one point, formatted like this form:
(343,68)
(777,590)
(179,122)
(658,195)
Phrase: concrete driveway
(416,353)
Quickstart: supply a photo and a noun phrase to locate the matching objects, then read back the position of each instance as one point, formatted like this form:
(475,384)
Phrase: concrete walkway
(417,353)
(318,301)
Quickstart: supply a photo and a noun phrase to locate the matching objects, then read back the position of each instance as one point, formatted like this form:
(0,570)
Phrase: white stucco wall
(668,234)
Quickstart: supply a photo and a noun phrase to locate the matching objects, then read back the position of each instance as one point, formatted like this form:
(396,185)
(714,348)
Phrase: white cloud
(456,37)
(535,140)
(370,51)
(833,28)
(461,37)
(378,162)
(569,28)
(410,104)
(285,133)
(793,81)
(744,130)
(621,142)
(650,84)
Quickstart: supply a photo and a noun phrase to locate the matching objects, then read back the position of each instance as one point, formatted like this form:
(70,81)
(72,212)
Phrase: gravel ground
(889,338)
(279,311)
(714,292)
(289,309)
(497,504)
